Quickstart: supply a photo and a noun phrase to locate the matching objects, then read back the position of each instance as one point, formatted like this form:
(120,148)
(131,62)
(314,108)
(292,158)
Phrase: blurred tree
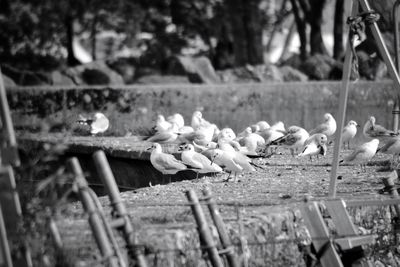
(338,48)
(310,12)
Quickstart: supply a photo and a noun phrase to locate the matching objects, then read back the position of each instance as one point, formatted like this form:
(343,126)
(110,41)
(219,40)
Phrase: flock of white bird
(207,149)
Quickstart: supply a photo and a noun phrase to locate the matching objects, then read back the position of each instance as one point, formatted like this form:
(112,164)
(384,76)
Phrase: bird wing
(379,130)
(355,153)
(319,129)
(162,137)
(169,162)
(388,144)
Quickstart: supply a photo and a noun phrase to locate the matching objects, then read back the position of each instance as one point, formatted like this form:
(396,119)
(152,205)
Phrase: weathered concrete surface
(132,109)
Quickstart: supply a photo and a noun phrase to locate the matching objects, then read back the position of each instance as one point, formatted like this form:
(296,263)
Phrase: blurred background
(71,42)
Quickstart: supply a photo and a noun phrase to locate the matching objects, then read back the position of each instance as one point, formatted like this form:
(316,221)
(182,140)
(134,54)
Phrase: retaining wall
(134,108)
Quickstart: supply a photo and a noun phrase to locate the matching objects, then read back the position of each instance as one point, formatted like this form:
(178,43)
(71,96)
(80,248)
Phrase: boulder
(126,67)
(258,73)
(57,78)
(320,67)
(25,77)
(198,69)
(96,72)
(8,82)
(291,74)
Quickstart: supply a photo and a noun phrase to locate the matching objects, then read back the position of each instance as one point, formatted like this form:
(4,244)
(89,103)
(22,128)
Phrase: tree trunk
(69,26)
(245,19)
(317,45)
(94,40)
(301,28)
(338,49)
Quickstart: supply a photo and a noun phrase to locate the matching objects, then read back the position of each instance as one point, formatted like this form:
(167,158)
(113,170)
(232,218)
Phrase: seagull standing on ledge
(314,145)
(373,130)
(99,123)
(363,154)
(328,127)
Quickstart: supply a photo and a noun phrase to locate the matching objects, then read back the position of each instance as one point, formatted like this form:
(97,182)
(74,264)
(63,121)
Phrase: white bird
(392,147)
(271,134)
(314,145)
(294,139)
(177,119)
(263,125)
(227,133)
(168,136)
(190,157)
(349,132)
(363,154)
(99,123)
(251,140)
(161,124)
(373,130)
(163,162)
(328,127)
(225,159)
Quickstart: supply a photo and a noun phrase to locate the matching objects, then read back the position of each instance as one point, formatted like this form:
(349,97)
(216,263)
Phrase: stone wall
(133,109)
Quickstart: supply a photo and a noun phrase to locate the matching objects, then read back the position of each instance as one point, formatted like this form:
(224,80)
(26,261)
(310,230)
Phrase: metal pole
(219,224)
(396,109)
(342,109)
(94,219)
(107,177)
(204,230)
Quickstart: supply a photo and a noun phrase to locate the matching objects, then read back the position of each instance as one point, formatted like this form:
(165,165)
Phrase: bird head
(155,146)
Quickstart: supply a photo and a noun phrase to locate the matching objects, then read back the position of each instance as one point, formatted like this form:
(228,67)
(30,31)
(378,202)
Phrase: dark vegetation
(143,38)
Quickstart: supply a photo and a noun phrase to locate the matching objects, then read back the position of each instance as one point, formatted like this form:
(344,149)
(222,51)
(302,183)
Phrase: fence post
(120,212)
(390,187)
(204,230)
(219,223)
(95,222)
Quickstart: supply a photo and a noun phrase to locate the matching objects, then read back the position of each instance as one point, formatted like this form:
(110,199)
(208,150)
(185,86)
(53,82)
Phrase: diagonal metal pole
(342,108)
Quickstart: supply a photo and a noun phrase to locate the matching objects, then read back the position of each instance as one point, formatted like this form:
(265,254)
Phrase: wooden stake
(204,230)
(5,255)
(95,222)
(219,224)
(120,212)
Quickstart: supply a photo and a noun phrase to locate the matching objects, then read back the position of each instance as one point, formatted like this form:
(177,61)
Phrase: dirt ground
(260,208)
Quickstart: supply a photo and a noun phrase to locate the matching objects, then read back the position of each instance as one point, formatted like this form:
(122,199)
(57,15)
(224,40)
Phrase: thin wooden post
(120,212)
(320,234)
(95,222)
(389,185)
(5,255)
(342,109)
(396,113)
(396,22)
(204,230)
(55,234)
(219,224)
(9,152)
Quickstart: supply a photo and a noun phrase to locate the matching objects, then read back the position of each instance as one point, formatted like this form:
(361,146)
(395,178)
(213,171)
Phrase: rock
(57,78)
(24,77)
(259,73)
(126,67)
(162,79)
(198,69)
(8,82)
(291,74)
(96,72)
(320,67)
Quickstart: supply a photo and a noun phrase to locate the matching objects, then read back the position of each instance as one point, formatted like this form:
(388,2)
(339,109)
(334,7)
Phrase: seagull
(251,140)
(362,154)
(177,119)
(263,125)
(314,145)
(161,124)
(225,159)
(191,157)
(392,146)
(373,130)
(227,133)
(349,132)
(328,127)
(165,163)
(99,123)
(168,136)
(294,139)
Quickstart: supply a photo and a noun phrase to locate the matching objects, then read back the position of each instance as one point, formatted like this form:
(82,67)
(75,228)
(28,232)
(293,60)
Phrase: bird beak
(180,148)
(212,159)
(149,148)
